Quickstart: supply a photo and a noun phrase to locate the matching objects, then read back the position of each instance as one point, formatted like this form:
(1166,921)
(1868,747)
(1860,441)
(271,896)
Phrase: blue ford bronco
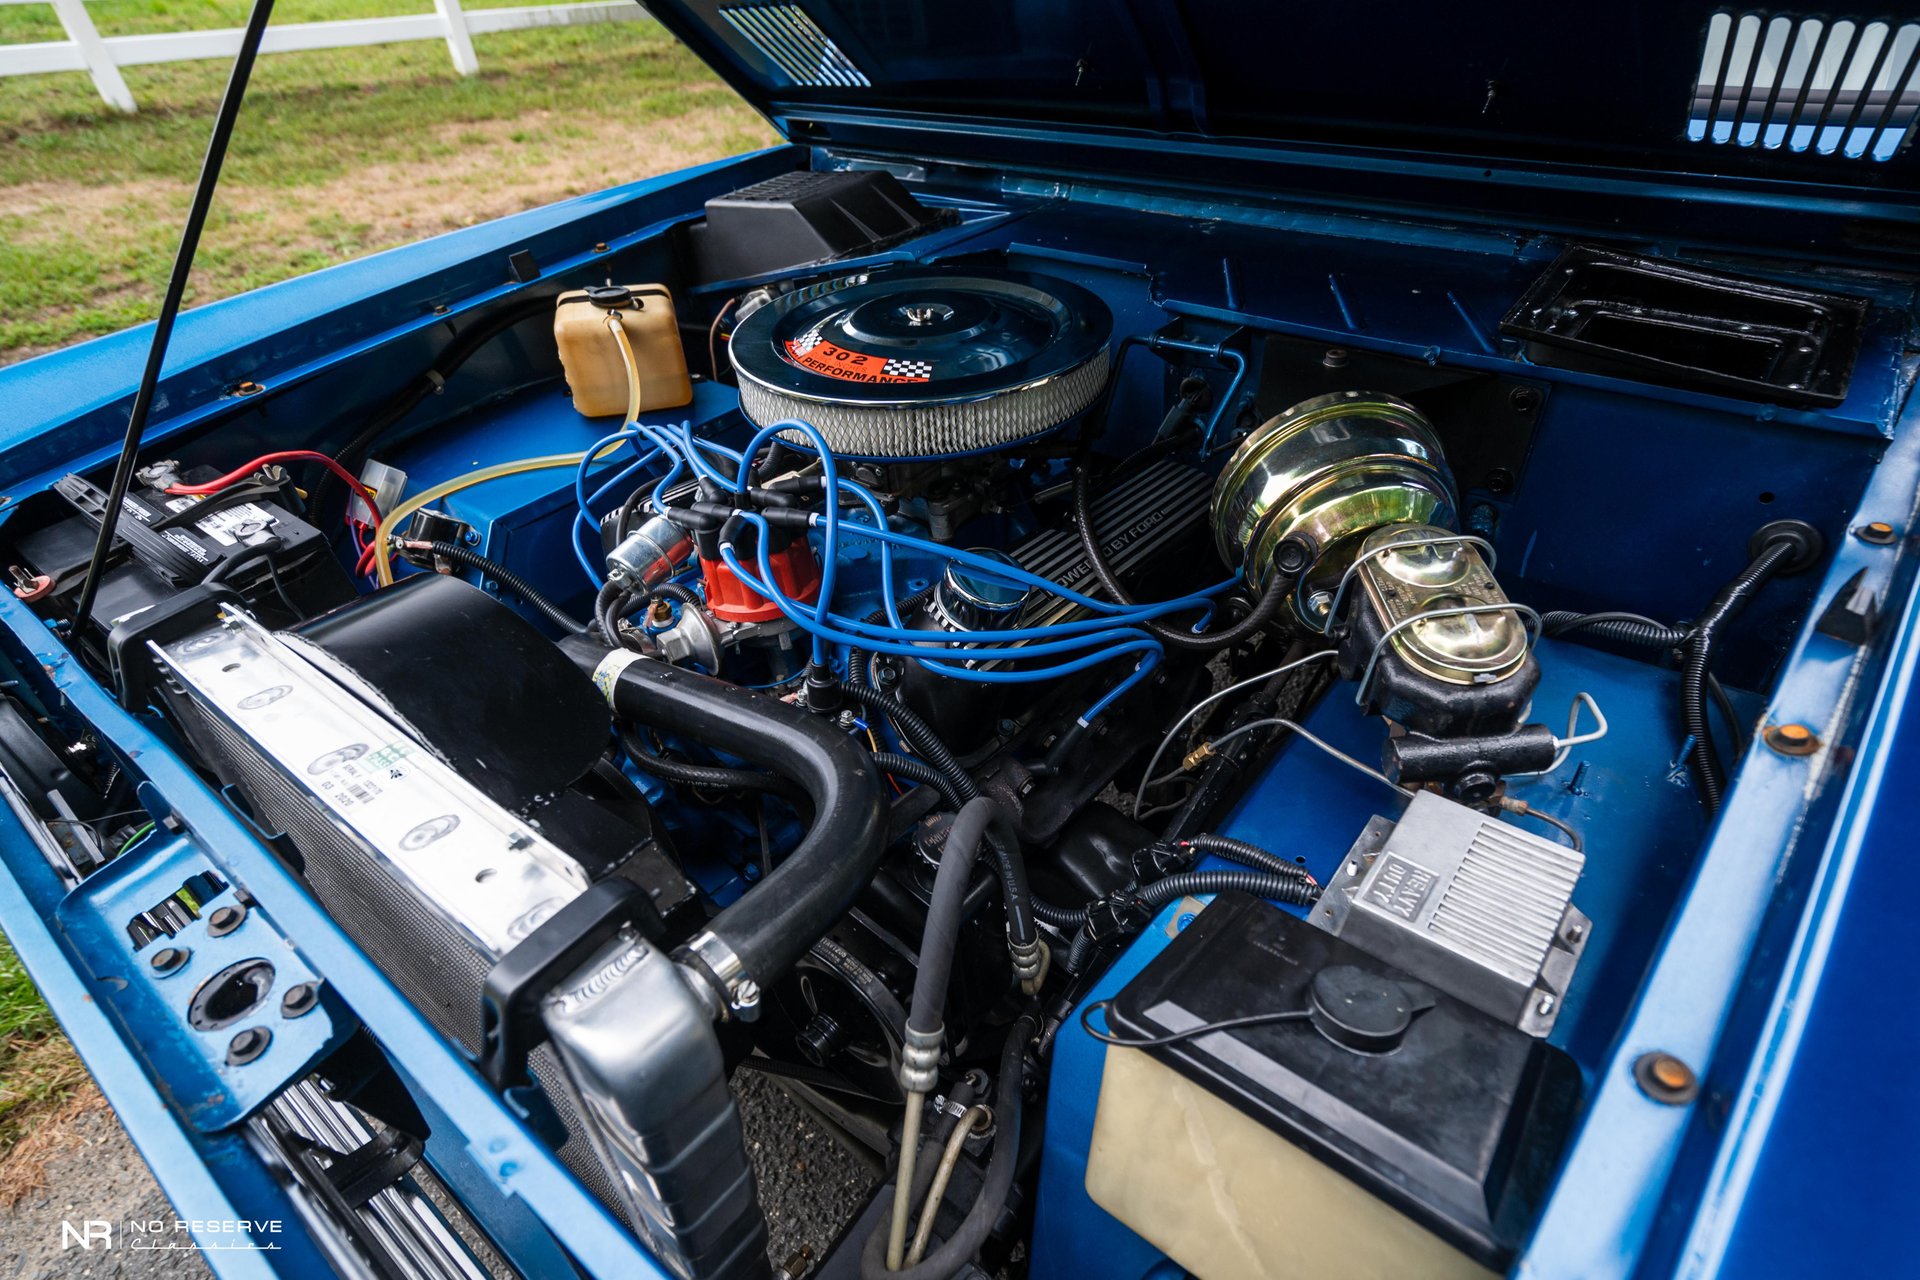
(1245,641)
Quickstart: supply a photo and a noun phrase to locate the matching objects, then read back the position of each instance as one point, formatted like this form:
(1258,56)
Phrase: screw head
(1524,399)
(1791,739)
(1499,481)
(1334,358)
(299,1000)
(1877,533)
(1665,1078)
(248,1045)
(168,959)
(247,388)
(225,920)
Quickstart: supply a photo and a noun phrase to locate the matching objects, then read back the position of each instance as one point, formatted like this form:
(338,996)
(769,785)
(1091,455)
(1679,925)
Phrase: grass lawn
(338,153)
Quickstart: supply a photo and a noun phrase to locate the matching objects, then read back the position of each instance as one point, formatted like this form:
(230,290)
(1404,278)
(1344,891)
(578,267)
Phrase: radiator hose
(768,928)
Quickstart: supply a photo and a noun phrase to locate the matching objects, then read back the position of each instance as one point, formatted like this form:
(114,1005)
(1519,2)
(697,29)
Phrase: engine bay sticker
(817,355)
(230,526)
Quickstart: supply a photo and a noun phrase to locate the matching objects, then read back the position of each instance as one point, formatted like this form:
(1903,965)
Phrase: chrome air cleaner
(924,362)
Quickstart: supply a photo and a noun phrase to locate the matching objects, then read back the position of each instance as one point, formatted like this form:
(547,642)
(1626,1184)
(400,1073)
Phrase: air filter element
(924,363)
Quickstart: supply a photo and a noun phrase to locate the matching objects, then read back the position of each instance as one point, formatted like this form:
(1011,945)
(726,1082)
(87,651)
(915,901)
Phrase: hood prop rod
(170,306)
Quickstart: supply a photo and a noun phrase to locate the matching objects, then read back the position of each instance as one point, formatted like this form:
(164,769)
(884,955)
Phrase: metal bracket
(510,1001)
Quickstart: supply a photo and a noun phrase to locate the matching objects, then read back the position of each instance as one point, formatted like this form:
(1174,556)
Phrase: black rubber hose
(686,595)
(688,773)
(608,606)
(980,824)
(1247,855)
(1262,615)
(507,578)
(771,925)
(623,519)
(915,769)
(917,732)
(1627,628)
(1005,844)
(857,659)
(1059,917)
(946,1261)
(1708,776)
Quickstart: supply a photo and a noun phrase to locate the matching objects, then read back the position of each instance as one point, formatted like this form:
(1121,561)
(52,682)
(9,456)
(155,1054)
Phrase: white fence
(101,57)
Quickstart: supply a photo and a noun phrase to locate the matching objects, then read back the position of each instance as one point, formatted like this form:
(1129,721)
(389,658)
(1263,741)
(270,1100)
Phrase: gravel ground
(101,1177)
(810,1184)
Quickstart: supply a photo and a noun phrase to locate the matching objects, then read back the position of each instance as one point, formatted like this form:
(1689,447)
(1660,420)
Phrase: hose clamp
(741,992)
(920,1059)
(1026,959)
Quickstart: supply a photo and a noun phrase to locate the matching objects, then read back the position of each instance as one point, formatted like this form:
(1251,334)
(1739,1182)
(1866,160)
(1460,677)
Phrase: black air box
(804,217)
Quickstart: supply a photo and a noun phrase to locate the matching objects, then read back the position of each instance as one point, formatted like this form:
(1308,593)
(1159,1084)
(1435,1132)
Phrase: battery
(165,543)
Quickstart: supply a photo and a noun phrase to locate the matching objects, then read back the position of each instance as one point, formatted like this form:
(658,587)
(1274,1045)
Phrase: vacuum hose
(510,581)
(769,927)
(1264,610)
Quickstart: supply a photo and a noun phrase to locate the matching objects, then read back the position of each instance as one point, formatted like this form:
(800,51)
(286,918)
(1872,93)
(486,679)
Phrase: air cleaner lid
(919,337)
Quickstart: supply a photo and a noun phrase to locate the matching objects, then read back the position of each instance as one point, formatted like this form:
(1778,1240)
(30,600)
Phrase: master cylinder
(1412,605)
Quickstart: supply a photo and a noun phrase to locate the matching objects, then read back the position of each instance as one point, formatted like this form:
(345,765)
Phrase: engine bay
(1134,714)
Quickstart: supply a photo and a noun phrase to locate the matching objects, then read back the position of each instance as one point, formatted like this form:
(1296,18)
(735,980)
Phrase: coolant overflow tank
(1329,470)
(591,355)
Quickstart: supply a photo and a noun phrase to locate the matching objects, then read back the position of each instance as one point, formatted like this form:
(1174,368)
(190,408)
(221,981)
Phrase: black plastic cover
(1688,326)
(803,217)
(1452,1117)
(472,680)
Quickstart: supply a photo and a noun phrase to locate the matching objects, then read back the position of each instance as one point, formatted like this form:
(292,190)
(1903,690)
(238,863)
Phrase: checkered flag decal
(807,341)
(910,368)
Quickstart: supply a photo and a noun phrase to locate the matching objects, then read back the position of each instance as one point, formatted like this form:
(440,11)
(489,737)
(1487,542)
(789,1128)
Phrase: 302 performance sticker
(825,358)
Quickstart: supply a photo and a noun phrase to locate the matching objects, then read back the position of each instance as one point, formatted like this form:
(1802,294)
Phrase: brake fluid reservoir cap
(1359,1010)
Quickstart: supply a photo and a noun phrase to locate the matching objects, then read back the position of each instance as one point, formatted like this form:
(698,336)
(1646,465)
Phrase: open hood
(1760,107)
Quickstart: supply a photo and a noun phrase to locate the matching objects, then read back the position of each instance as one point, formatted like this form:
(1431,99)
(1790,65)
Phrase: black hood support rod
(170,306)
